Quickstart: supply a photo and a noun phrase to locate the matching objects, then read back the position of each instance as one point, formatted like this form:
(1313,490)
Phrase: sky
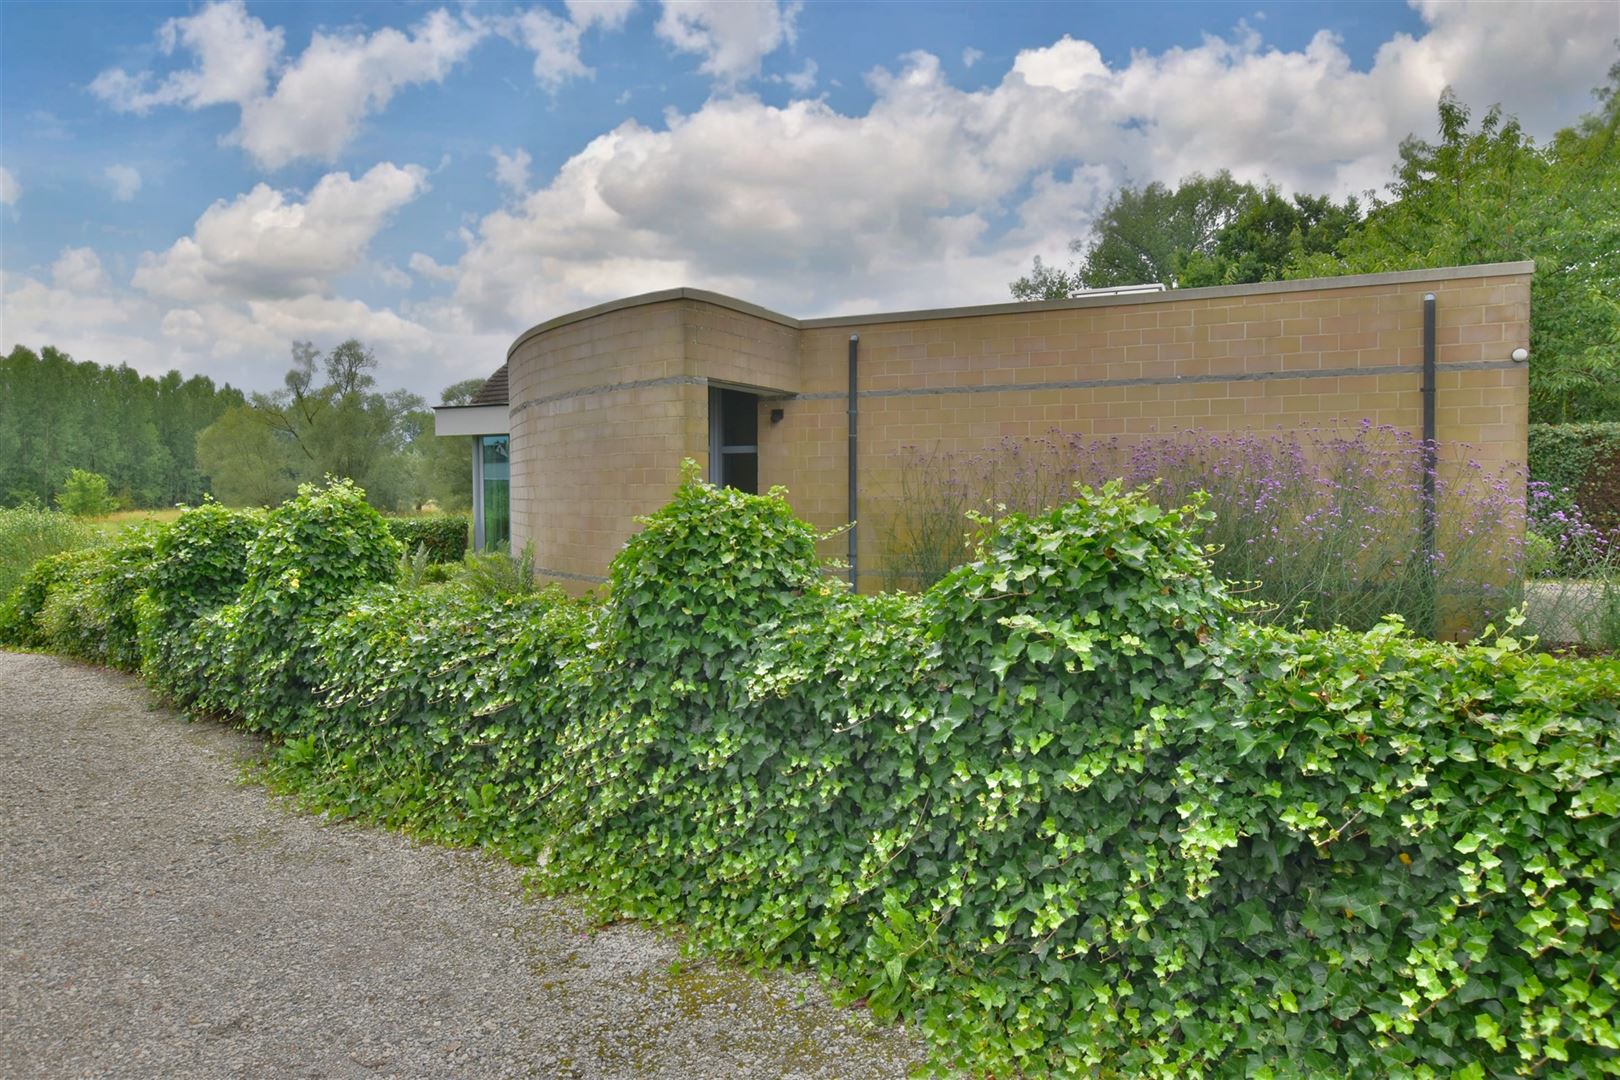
(198,185)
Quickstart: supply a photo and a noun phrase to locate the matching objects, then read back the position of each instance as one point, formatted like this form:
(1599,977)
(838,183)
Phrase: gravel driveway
(158,917)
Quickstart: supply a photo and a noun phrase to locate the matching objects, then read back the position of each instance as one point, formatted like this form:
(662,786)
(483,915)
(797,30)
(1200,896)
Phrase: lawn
(115,523)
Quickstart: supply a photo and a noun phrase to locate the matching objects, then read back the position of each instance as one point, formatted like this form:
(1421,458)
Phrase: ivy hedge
(444,537)
(1582,460)
(1068,810)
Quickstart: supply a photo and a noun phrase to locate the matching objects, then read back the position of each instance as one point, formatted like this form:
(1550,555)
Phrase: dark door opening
(734,439)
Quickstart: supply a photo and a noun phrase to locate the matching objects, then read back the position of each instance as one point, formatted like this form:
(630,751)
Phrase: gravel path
(158,917)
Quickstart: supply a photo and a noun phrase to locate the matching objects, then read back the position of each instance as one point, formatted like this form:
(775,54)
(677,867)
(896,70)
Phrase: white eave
(471,420)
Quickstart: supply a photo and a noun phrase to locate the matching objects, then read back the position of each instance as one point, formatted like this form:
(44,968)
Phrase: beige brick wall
(590,452)
(605,408)
(1207,360)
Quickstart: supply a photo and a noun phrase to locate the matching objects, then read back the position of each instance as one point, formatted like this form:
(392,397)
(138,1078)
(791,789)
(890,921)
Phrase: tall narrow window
(495,487)
(734,439)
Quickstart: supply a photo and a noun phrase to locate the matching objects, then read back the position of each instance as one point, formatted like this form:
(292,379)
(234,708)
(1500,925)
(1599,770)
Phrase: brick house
(587,423)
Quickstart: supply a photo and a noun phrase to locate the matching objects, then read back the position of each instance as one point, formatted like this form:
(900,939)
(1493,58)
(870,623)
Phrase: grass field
(113,524)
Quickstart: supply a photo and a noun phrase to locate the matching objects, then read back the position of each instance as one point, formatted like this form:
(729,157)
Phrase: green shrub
(27,535)
(707,783)
(1421,837)
(443,536)
(1581,464)
(90,609)
(314,551)
(496,574)
(1066,808)
(199,565)
(443,707)
(84,494)
(19,615)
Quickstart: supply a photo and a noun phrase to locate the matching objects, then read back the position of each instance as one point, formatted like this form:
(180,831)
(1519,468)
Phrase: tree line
(139,432)
(171,440)
(1476,193)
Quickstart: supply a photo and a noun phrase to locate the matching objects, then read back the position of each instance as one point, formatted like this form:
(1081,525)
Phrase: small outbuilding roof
(493,392)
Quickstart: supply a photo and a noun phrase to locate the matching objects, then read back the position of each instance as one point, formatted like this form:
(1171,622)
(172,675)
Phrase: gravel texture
(160,917)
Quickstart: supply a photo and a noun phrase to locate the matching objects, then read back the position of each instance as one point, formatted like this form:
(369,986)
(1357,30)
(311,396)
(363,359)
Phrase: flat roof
(1100,298)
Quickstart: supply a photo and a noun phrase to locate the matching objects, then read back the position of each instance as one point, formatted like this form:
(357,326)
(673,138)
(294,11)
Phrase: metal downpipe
(854,482)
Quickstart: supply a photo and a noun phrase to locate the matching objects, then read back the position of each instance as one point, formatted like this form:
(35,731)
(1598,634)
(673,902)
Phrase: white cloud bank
(255,273)
(265,246)
(313,105)
(938,195)
(732,36)
(934,195)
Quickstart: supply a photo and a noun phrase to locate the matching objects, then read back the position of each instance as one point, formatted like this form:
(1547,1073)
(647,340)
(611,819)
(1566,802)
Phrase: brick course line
(609,388)
(1171,380)
(590,578)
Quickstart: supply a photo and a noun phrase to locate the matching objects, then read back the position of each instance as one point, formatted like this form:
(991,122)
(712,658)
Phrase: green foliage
(247,462)
(27,535)
(441,709)
(444,536)
(1065,809)
(314,551)
(199,564)
(1208,230)
(1422,839)
(687,791)
(1144,235)
(19,614)
(84,494)
(496,574)
(329,420)
(1580,464)
(1489,194)
(138,431)
(91,609)
(1268,235)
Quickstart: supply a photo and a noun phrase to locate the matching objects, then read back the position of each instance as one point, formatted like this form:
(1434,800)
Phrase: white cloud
(124,180)
(264,245)
(320,101)
(555,44)
(732,36)
(938,195)
(320,98)
(971,56)
(235,54)
(10,190)
(934,195)
(392,276)
(802,81)
(79,312)
(608,14)
(78,268)
(428,268)
(511,170)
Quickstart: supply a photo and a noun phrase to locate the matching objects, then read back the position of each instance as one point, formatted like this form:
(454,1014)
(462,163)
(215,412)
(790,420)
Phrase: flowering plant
(1322,527)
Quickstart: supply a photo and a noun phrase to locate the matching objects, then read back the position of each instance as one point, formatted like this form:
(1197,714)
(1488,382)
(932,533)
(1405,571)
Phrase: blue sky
(198,185)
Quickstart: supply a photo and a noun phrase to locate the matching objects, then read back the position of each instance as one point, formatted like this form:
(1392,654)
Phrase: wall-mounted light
(776,416)
(1521,354)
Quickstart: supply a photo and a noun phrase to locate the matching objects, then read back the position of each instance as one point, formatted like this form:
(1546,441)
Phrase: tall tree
(57,414)
(1144,235)
(1208,230)
(1269,234)
(248,462)
(1489,194)
(445,463)
(331,420)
